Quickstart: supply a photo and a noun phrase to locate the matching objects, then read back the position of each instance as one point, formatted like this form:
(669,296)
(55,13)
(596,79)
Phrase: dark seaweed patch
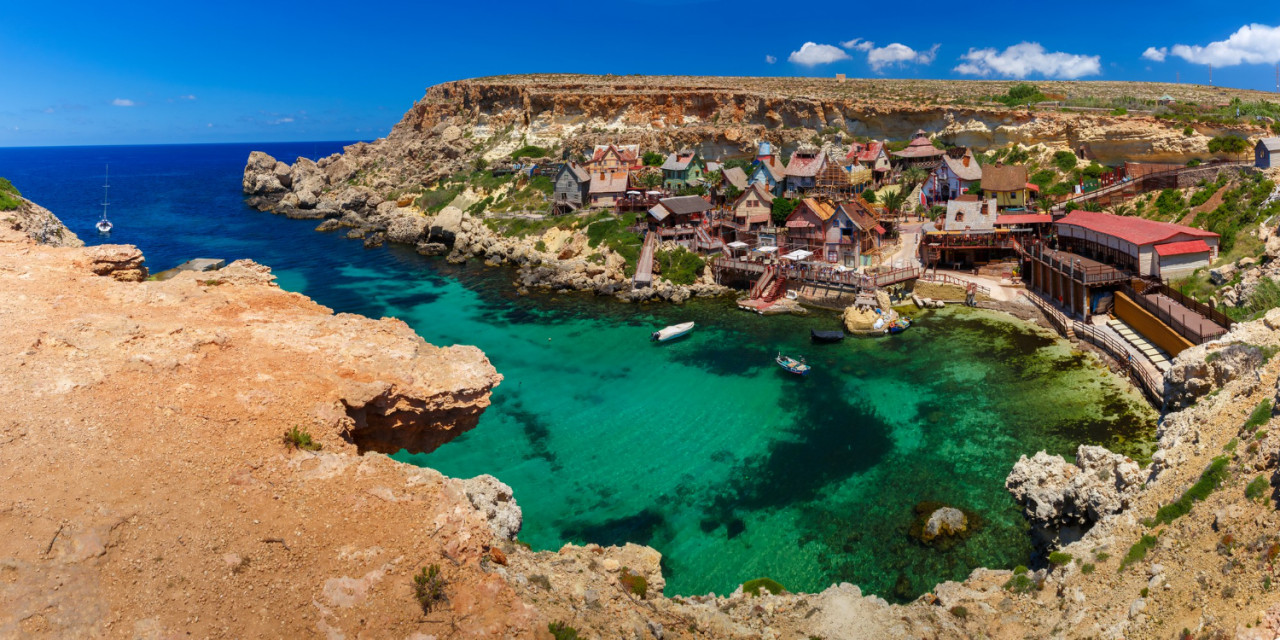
(640,528)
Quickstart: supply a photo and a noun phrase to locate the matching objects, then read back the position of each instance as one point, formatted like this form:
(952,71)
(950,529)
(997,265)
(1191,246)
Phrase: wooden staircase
(764,292)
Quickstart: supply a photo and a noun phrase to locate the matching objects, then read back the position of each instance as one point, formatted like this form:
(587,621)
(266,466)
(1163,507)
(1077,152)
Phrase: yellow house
(1008,185)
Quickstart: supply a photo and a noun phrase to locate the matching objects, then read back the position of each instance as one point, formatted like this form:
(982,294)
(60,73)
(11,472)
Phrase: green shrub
(680,266)
(300,439)
(753,587)
(653,159)
(1102,556)
(1260,416)
(540,246)
(428,588)
(435,200)
(1209,481)
(1230,447)
(1086,568)
(1059,558)
(1064,160)
(1188,131)
(1020,583)
(529,151)
(1120,111)
(1138,551)
(561,631)
(960,612)
(633,582)
(1257,489)
(10,199)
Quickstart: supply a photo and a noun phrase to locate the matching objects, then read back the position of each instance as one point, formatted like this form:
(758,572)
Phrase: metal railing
(1176,316)
(1152,386)
(1079,272)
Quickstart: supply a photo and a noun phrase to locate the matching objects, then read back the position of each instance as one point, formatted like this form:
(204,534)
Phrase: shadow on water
(640,528)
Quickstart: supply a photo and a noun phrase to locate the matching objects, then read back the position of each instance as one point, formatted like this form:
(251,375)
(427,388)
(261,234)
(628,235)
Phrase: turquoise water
(702,448)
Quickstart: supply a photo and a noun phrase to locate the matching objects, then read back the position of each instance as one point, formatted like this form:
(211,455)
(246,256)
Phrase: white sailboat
(104,225)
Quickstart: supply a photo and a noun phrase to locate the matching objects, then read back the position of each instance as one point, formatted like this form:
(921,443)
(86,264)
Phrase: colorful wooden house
(571,190)
(873,156)
(682,169)
(953,177)
(752,211)
(608,187)
(808,224)
(803,169)
(612,157)
(920,152)
(860,235)
(1008,185)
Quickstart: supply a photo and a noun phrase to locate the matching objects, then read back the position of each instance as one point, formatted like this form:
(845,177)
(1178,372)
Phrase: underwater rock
(947,521)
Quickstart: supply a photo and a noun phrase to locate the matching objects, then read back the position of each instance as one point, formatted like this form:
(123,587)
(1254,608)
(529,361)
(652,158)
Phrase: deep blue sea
(703,448)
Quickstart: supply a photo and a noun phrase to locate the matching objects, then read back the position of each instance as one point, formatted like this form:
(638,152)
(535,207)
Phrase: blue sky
(143,73)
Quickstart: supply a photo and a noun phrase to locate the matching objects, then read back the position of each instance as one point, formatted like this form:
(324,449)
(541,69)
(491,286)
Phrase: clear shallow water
(702,448)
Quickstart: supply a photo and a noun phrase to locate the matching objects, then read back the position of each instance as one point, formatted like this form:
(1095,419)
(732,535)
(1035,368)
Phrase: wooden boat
(899,325)
(826,336)
(672,332)
(797,367)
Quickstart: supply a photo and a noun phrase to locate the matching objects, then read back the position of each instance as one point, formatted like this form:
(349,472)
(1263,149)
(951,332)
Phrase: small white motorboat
(672,332)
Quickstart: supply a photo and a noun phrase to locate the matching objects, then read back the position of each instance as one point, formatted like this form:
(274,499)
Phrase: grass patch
(680,266)
(1058,558)
(960,612)
(1138,551)
(562,631)
(10,199)
(1230,447)
(1212,478)
(435,200)
(1087,568)
(1257,489)
(1101,556)
(300,439)
(754,587)
(428,588)
(1260,416)
(529,151)
(634,583)
(1020,582)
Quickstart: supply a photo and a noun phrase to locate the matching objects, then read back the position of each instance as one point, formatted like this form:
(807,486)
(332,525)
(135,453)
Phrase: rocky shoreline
(557,260)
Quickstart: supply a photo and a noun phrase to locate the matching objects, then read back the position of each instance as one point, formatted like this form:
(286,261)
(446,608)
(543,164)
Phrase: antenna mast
(106,184)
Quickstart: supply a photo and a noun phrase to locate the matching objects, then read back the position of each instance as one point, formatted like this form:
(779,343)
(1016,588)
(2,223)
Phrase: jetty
(644,266)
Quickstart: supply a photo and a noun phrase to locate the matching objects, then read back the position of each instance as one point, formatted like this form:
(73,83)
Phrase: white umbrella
(766,249)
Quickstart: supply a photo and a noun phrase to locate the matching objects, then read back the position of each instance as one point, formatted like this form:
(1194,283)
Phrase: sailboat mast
(106,184)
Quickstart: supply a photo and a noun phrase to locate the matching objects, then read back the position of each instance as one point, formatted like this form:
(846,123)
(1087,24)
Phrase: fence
(1152,386)
(1074,267)
(1187,321)
(947,278)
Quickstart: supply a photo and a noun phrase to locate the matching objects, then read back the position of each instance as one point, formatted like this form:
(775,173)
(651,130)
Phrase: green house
(683,168)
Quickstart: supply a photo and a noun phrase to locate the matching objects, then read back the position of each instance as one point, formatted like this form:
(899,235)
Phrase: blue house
(1264,151)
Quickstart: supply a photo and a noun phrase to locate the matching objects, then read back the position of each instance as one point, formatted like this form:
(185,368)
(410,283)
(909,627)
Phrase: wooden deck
(644,266)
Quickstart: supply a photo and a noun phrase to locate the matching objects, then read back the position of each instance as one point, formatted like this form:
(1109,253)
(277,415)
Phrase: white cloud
(899,54)
(284,120)
(858,44)
(811,54)
(189,96)
(48,109)
(122,102)
(1154,54)
(1027,58)
(1250,44)
(770,59)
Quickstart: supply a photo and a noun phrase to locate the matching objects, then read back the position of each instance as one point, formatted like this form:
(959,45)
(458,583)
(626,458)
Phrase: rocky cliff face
(39,224)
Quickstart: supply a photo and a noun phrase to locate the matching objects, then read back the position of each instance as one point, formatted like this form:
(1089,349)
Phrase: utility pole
(1210,75)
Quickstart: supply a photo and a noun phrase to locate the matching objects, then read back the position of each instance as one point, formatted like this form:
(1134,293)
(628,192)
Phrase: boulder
(946,521)
(1063,500)
(1222,274)
(260,175)
(407,228)
(493,498)
(122,262)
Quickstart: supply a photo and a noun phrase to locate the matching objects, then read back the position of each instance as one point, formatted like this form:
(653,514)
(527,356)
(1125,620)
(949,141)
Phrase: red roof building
(1147,247)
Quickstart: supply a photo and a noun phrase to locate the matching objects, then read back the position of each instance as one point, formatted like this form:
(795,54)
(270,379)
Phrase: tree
(649,179)
(913,176)
(893,201)
(1064,160)
(869,196)
(1092,205)
(782,208)
(1228,144)
(1123,210)
(653,159)
(731,193)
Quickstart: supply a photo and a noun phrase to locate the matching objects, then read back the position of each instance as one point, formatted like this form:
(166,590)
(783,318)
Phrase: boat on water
(826,336)
(797,367)
(672,332)
(898,326)
(104,225)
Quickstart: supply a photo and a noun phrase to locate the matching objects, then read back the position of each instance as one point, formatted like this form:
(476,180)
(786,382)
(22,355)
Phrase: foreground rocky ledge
(148,493)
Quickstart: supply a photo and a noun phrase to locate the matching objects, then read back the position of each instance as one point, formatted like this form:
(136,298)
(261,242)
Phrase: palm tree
(893,201)
(1123,210)
(1092,205)
(913,176)
(649,179)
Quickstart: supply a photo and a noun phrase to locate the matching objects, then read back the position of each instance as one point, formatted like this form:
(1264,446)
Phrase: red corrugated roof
(1024,218)
(1139,231)
(879,229)
(1033,186)
(1179,248)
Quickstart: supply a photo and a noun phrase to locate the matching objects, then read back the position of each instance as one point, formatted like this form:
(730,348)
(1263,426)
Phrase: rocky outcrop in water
(1062,500)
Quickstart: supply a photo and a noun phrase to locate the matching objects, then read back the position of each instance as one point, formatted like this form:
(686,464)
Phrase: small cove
(702,448)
